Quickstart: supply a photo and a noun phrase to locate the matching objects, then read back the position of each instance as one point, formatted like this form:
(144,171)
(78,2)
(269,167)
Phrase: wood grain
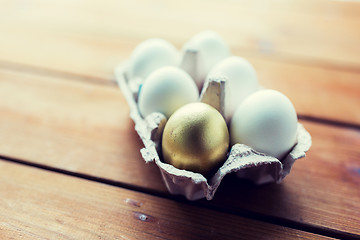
(54,119)
(83,128)
(87,130)
(37,204)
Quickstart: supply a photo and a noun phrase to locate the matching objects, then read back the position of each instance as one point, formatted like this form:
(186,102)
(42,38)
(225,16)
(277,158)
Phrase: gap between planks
(323,231)
(69,207)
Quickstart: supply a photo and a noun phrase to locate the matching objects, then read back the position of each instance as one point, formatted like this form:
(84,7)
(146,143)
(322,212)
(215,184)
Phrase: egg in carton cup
(241,159)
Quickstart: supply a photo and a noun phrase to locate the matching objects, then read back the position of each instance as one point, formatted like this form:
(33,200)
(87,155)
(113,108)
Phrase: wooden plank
(72,208)
(325,31)
(85,129)
(317,92)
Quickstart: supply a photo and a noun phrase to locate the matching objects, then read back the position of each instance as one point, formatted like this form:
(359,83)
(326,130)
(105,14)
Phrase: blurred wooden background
(70,166)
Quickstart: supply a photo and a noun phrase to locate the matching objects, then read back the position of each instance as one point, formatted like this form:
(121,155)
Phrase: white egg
(151,55)
(241,81)
(211,49)
(166,90)
(267,122)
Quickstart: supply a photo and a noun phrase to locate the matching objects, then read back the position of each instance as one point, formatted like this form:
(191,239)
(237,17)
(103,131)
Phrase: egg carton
(242,160)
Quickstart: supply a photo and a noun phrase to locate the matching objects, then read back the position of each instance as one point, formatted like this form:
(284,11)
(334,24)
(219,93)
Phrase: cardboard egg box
(241,160)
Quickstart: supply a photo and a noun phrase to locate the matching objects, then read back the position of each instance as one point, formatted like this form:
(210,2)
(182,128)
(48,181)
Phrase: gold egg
(195,138)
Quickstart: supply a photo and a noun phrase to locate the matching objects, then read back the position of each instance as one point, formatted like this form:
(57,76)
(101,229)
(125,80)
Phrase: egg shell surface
(166,90)
(267,122)
(195,138)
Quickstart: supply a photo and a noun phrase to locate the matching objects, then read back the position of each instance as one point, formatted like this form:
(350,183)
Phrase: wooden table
(70,165)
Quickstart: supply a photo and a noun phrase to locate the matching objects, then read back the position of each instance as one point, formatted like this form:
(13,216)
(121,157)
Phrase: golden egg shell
(195,138)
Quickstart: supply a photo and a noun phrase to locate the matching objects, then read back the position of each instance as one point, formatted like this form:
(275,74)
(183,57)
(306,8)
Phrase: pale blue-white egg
(165,90)
(267,122)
